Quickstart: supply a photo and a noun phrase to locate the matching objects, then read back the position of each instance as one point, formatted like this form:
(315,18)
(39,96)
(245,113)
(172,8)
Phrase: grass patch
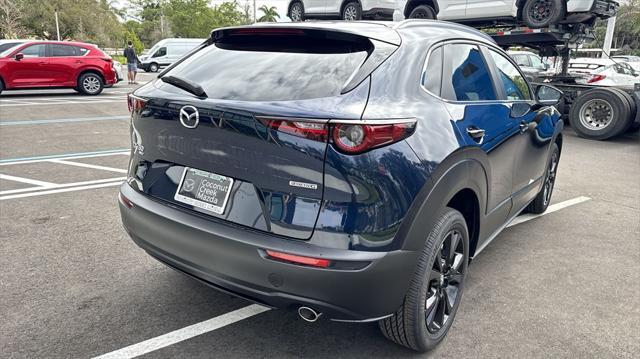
(121,59)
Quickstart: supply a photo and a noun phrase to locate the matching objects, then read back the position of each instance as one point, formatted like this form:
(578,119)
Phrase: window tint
(515,86)
(274,69)
(466,76)
(63,50)
(161,52)
(432,76)
(34,51)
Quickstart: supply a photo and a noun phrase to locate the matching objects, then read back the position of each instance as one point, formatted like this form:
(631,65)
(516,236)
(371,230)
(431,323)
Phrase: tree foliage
(626,37)
(270,14)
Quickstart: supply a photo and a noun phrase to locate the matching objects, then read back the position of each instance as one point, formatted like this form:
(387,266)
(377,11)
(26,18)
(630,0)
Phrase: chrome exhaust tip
(308,314)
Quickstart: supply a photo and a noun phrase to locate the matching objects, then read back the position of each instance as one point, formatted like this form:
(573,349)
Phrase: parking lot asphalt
(566,284)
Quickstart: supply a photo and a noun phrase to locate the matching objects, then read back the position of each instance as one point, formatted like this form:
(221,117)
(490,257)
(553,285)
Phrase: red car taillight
(135,103)
(357,138)
(596,78)
(350,137)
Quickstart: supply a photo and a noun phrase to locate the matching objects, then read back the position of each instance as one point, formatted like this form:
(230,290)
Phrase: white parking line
(63,185)
(69,156)
(120,100)
(60,190)
(185,333)
(26,180)
(86,165)
(552,208)
(194,330)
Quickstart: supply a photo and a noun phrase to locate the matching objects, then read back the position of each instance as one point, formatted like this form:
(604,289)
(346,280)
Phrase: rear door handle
(475,133)
(523,127)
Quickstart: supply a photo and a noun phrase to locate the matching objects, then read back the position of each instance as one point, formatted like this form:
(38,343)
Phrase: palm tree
(270,14)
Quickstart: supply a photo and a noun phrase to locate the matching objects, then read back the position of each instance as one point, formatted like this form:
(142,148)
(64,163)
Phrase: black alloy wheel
(445,281)
(436,287)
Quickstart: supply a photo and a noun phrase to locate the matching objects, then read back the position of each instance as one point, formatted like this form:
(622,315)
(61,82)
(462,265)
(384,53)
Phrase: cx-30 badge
(189,116)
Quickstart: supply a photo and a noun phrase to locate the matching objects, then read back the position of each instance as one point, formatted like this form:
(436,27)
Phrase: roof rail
(409,23)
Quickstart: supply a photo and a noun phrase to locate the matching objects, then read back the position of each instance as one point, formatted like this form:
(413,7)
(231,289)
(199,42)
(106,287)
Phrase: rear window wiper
(184,84)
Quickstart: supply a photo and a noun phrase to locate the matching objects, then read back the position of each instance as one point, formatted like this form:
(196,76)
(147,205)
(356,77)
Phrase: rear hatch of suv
(238,130)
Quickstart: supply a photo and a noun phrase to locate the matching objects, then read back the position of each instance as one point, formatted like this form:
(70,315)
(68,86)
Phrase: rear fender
(464,169)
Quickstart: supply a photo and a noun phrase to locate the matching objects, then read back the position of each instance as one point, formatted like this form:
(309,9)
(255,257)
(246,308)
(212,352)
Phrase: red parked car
(54,64)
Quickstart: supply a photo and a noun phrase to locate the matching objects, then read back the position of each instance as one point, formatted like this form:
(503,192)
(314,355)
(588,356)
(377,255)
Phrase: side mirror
(548,95)
(19,56)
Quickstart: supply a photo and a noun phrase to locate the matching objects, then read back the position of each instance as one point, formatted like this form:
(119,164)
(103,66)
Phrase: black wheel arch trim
(464,169)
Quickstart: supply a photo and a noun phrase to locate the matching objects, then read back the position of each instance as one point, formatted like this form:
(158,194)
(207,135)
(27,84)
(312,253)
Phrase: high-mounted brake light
(355,138)
(317,131)
(135,103)
(309,261)
(596,78)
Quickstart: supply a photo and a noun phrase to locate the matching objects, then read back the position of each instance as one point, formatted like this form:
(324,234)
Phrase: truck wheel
(542,13)
(435,290)
(153,67)
(423,12)
(632,104)
(599,114)
(541,202)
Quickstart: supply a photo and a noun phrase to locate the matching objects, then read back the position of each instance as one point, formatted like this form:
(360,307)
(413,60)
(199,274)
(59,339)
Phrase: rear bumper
(231,259)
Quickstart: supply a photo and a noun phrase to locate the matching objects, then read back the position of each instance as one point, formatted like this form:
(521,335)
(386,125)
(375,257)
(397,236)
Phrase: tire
(542,13)
(153,67)
(632,105)
(541,202)
(410,326)
(600,114)
(90,84)
(296,12)
(352,11)
(1,86)
(423,12)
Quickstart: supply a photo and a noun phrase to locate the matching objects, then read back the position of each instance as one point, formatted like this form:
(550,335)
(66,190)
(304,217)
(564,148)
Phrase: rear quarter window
(270,68)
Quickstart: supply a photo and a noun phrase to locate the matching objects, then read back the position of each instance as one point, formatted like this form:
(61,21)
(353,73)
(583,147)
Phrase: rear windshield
(273,68)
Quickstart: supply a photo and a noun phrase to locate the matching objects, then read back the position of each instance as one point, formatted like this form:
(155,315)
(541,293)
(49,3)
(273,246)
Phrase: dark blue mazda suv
(344,170)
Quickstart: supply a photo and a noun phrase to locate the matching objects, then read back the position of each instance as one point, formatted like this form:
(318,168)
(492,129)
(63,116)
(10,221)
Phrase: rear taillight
(357,138)
(135,103)
(348,136)
(596,78)
(317,131)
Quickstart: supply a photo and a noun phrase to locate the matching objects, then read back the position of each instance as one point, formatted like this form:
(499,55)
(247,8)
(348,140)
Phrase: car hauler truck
(595,112)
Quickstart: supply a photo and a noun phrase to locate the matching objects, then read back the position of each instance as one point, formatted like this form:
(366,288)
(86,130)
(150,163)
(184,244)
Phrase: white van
(167,51)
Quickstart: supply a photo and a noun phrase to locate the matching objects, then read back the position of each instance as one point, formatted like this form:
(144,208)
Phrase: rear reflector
(126,201)
(309,261)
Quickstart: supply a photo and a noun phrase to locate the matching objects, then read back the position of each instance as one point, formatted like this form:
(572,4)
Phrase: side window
(432,76)
(63,50)
(536,62)
(521,60)
(34,51)
(515,86)
(82,51)
(161,52)
(466,76)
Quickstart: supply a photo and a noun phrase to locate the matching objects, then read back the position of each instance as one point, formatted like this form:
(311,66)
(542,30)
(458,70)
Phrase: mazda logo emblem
(189,116)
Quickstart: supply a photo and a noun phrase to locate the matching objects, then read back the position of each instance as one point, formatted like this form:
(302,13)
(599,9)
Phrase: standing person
(132,63)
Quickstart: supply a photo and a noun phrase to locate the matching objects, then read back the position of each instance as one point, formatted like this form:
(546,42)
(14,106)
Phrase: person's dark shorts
(132,67)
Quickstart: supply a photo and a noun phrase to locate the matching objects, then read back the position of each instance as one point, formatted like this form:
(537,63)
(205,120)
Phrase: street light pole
(57,24)
(254,12)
